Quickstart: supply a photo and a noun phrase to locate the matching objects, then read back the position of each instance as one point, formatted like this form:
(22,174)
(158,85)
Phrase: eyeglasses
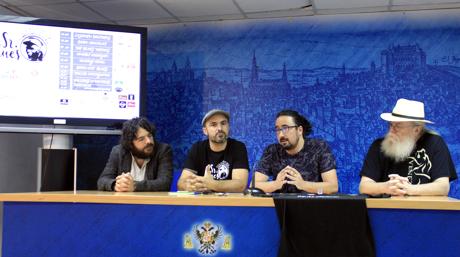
(284,129)
(144,138)
(399,126)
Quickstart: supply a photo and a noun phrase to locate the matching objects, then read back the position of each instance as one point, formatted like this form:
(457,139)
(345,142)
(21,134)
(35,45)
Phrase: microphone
(252,189)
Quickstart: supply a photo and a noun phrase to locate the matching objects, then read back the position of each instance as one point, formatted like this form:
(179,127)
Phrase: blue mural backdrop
(339,71)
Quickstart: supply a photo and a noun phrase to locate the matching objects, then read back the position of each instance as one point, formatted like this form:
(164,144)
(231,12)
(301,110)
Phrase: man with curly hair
(139,162)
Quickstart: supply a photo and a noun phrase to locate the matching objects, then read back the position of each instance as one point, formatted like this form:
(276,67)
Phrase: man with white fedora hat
(410,159)
(217,164)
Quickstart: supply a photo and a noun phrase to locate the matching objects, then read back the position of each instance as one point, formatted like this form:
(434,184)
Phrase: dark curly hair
(130,127)
(299,120)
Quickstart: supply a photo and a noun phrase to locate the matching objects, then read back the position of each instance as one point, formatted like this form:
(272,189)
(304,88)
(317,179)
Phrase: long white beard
(396,148)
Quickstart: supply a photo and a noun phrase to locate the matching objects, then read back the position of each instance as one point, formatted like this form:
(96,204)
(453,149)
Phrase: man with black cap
(218,164)
(410,159)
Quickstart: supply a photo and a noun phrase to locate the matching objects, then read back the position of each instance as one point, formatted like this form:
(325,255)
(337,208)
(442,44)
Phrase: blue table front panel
(416,233)
(73,229)
(68,229)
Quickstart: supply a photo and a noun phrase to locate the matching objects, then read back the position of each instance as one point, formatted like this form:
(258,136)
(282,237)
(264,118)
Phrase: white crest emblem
(419,167)
(221,170)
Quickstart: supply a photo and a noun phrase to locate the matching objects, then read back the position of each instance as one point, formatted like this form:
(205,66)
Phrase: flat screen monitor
(69,73)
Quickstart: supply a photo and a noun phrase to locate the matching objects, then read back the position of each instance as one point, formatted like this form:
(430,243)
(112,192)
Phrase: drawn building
(399,59)
(268,85)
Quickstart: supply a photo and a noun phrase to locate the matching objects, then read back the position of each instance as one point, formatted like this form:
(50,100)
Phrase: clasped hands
(291,176)
(124,183)
(397,185)
(196,183)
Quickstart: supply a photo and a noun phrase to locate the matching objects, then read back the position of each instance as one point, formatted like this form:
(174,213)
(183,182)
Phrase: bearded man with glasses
(410,159)
(296,163)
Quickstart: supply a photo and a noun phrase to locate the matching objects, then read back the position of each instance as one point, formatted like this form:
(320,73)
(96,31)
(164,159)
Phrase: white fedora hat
(406,110)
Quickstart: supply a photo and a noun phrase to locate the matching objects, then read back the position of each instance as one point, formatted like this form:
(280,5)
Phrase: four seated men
(409,160)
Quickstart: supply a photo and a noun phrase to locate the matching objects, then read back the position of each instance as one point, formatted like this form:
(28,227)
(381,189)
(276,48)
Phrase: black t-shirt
(234,156)
(429,161)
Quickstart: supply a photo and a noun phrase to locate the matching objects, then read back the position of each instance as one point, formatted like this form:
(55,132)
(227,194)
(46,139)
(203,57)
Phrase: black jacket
(158,171)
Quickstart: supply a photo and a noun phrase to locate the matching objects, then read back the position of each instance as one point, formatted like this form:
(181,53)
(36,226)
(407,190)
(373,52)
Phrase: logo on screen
(207,238)
(33,48)
(122,104)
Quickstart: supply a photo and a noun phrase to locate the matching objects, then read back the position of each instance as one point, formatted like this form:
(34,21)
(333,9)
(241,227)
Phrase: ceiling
(152,12)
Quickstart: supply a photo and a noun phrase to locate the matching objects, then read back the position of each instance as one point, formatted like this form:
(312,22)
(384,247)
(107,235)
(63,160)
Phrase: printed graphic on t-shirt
(419,167)
(221,170)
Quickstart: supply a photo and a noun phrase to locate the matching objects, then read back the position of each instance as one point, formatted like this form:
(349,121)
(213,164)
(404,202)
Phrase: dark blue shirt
(314,159)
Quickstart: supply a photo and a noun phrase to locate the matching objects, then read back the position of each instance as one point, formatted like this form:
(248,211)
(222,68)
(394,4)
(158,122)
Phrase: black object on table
(324,225)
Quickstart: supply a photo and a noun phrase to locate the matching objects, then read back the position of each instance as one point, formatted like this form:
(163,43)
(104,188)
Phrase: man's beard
(286,144)
(142,154)
(396,148)
(219,138)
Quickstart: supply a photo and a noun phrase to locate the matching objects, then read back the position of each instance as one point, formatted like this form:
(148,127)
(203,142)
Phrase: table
(92,223)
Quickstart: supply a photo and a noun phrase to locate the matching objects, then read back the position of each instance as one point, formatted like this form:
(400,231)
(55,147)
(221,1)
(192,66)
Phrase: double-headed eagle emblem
(208,239)
(207,235)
